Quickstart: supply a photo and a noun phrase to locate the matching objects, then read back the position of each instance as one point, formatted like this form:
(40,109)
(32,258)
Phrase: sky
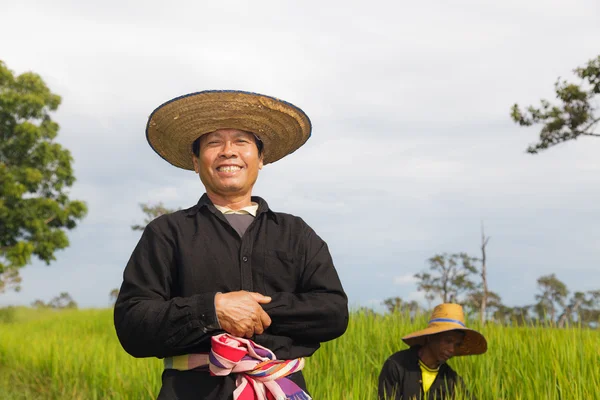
(412,145)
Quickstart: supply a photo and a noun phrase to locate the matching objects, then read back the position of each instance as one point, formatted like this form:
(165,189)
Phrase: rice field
(75,355)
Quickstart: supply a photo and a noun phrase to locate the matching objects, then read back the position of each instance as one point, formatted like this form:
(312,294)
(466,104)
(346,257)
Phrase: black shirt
(401,379)
(166,303)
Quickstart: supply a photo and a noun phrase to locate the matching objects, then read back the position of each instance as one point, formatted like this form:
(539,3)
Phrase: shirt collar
(205,202)
(428,369)
(251,209)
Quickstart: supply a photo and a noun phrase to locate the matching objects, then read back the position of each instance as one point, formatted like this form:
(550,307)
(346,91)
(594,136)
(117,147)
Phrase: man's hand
(240,313)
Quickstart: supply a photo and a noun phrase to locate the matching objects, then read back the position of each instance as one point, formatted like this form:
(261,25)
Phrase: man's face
(444,345)
(228,162)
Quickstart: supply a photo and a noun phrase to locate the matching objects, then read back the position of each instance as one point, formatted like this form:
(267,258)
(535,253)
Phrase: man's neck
(233,202)
(427,357)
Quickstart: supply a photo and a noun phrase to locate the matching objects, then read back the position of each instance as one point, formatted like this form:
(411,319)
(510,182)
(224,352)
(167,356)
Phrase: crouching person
(421,372)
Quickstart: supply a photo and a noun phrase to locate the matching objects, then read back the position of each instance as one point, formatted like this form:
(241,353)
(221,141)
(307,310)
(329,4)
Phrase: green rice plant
(75,354)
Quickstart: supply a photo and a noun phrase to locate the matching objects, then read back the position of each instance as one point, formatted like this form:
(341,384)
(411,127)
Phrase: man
(421,372)
(230,293)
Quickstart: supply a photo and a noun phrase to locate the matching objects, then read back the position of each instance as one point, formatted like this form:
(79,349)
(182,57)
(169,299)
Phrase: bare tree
(485,292)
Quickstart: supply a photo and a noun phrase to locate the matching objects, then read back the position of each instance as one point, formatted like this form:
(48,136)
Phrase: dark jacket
(166,303)
(400,379)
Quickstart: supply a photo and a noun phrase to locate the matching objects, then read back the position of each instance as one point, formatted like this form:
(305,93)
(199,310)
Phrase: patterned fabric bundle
(260,376)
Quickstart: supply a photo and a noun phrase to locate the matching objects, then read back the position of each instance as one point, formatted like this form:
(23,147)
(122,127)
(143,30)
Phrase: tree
(582,306)
(393,304)
(113,295)
(493,302)
(397,305)
(513,315)
(577,300)
(553,295)
(366,311)
(62,301)
(573,117)
(451,277)
(35,173)
(39,304)
(152,212)
(589,314)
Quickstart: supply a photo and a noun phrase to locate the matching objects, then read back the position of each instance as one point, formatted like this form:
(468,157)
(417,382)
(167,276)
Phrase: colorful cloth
(260,376)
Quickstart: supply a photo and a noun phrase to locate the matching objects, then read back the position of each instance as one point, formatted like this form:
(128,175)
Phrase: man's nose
(227,150)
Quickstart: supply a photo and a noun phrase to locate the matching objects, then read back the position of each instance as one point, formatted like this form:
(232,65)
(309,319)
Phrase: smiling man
(231,294)
(421,372)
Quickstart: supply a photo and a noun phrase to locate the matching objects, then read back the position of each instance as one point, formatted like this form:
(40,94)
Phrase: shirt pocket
(281,272)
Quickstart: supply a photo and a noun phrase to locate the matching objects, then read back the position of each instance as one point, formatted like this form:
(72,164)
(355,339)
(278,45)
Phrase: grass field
(76,355)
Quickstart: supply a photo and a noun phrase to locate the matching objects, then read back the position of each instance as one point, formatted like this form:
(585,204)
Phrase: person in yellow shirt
(421,371)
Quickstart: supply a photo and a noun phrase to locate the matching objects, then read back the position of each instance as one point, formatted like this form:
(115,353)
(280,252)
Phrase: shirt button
(244,259)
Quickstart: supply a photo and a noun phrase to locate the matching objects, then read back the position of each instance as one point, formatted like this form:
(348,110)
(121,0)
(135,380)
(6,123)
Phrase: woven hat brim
(473,343)
(173,126)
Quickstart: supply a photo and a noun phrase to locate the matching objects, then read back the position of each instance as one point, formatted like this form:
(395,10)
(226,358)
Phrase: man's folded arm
(318,311)
(148,322)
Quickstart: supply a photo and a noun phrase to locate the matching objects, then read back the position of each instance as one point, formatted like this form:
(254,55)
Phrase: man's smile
(228,169)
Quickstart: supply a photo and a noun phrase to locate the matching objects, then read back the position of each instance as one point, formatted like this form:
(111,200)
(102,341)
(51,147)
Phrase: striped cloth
(259,375)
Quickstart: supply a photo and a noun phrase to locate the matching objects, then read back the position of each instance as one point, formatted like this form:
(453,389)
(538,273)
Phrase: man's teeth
(231,168)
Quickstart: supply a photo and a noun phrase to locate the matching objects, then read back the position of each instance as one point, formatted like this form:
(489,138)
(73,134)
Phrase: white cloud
(164,194)
(417,296)
(404,279)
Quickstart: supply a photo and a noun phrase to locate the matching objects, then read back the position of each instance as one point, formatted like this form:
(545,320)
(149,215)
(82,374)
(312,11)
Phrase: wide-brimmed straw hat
(449,317)
(174,125)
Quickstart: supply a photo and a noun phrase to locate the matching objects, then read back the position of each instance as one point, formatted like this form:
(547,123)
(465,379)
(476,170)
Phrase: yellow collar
(423,366)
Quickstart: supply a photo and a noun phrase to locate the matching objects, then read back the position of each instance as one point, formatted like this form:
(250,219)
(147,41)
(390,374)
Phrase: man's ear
(260,163)
(196,166)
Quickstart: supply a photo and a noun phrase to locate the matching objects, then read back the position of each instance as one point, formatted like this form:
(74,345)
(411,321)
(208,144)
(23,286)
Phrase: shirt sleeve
(148,321)
(391,380)
(318,311)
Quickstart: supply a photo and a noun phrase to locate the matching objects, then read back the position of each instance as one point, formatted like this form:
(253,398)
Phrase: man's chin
(231,190)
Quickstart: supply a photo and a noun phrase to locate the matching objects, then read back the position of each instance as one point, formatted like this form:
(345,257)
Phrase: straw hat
(449,317)
(174,125)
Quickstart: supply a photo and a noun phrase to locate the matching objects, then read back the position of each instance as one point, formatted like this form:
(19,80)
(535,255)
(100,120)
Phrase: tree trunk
(568,311)
(484,296)
(445,288)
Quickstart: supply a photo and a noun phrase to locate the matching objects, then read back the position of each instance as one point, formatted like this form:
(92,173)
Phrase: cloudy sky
(412,142)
